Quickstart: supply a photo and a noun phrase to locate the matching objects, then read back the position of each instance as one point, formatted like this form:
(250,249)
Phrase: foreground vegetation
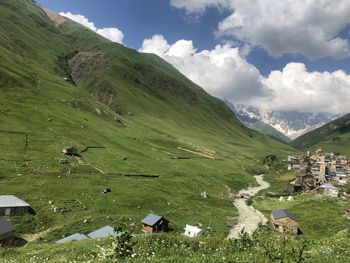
(262,248)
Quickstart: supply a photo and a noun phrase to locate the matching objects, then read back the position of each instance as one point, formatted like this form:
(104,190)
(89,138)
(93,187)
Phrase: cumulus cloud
(225,74)
(310,28)
(222,72)
(112,33)
(294,88)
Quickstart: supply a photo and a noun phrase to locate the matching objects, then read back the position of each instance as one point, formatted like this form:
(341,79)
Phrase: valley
(94,134)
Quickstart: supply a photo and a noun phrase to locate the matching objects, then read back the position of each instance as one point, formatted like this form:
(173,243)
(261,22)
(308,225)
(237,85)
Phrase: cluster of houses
(319,171)
(152,223)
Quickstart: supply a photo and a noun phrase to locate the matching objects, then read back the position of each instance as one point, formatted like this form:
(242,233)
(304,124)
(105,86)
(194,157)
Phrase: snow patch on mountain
(291,123)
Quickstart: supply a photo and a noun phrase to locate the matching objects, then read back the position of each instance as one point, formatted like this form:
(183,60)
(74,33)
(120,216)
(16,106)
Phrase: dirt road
(249,218)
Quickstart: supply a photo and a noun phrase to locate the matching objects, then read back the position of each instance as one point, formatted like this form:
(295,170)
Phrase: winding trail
(249,218)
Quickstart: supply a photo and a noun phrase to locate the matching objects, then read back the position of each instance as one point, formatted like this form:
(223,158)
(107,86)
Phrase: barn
(154,223)
(7,230)
(283,221)
(11,205)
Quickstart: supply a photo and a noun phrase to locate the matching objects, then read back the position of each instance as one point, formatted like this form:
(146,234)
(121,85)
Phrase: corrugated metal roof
(103,232)
(151,219)
(281,213)
(74,237)
(12,201)
(328,186)
(6,227)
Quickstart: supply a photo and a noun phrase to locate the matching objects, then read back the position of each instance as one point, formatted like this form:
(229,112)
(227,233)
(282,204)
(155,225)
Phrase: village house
(341,178)
(193,231)
(154,223)
(11,205)
(283,221)
(7,230)
(301,183)
(328,189)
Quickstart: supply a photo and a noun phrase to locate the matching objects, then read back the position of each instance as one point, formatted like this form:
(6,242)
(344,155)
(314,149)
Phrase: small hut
(70,150)
(11,205)
(154,223)
(328,189)
(193,231)
(283,221)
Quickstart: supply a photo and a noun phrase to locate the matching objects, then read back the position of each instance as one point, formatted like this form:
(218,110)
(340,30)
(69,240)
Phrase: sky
(275,55)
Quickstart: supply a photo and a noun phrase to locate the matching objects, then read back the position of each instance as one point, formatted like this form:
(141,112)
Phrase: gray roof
(105,231)
(281,213)
(12,201)
(74,237)
(328,186)
(151,219)
(6,227)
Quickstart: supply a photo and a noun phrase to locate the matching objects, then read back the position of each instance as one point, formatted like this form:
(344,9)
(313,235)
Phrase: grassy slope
(160,112)
(269,130)
(333,136)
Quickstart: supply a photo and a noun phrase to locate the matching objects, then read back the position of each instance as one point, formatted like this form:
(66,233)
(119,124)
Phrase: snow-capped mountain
(290,123)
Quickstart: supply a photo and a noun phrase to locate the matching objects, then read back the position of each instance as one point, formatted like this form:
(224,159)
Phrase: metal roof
(328,186)
(281,213)
(74,237)
(6,227)
(102,232)
(151,219)
(12,201)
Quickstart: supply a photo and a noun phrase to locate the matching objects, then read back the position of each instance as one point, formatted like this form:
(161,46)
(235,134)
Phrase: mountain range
(291,124)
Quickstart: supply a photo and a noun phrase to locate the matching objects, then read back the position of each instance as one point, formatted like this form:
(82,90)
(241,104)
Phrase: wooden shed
(154,223)
(283,221)
(11,205)
(7,230)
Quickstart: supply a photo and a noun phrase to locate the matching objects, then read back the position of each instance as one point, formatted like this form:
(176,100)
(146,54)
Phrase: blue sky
(142,19)
(304,42)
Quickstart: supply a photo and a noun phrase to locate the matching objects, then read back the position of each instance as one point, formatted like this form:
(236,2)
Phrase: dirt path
(249,218)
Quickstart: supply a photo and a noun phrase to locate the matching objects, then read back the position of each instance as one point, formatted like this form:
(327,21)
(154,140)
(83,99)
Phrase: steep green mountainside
(334,136)
(135,116)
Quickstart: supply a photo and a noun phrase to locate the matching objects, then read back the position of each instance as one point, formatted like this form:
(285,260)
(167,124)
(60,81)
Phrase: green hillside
(136,115)
(269,130)
(333,136)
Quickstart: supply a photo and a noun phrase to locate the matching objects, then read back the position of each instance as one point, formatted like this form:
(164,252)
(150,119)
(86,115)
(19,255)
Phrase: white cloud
(310,28)
(156,45)
(294,88)
(113,34)
(222,72)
